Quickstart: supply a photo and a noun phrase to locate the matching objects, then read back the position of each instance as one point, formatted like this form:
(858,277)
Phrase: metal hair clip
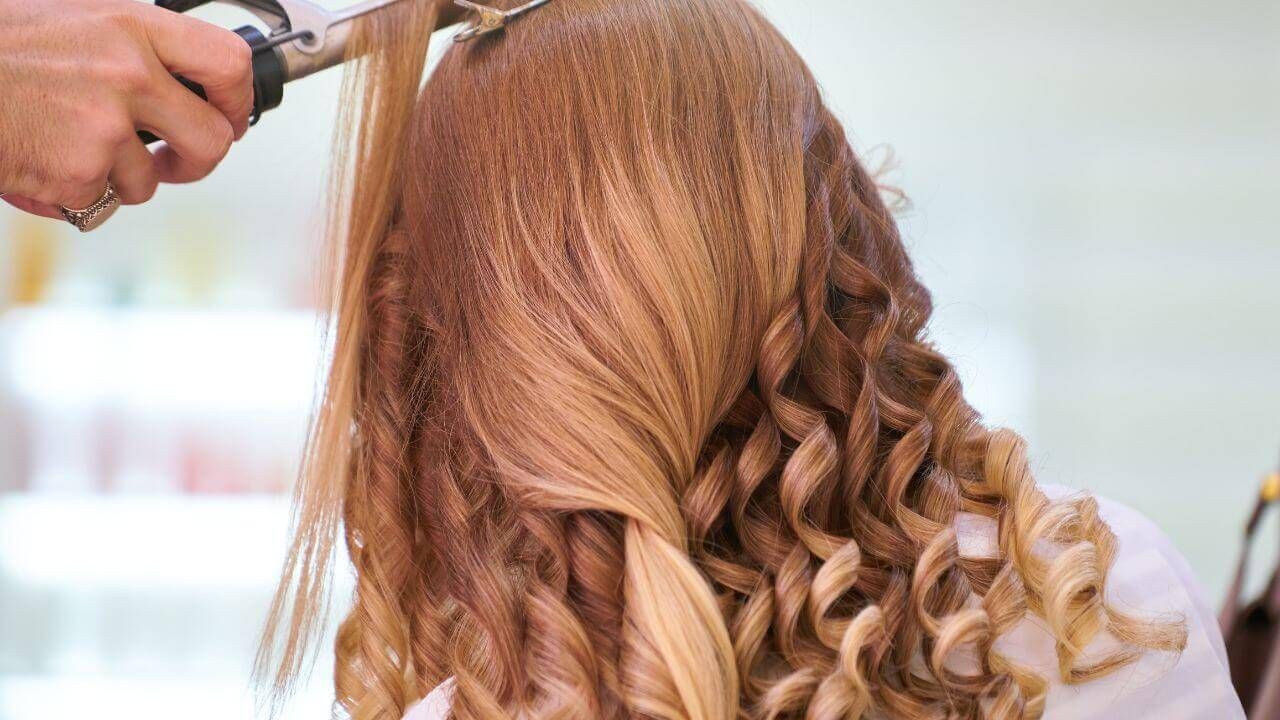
(491,19)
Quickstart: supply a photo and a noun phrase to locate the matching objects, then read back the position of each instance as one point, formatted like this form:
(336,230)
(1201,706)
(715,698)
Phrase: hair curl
(632,413)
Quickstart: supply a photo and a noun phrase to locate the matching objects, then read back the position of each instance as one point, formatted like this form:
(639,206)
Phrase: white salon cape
(1149,579)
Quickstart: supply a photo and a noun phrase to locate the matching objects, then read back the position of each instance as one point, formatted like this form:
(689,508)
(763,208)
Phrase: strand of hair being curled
(356,471)
(632,412)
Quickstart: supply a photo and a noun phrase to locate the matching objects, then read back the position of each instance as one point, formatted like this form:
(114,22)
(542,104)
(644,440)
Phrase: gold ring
(87,219)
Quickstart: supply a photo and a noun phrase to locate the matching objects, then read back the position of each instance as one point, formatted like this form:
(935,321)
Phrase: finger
(35,207)
(217,58)
(196,136)
(134,174)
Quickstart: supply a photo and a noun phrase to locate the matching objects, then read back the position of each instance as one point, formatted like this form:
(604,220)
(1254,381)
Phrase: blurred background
(1093,188)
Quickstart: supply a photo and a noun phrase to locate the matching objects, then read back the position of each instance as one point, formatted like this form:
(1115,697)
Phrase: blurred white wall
(1092,185)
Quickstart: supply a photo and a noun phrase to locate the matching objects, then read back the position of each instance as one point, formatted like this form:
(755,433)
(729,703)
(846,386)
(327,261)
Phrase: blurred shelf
(162,361)
(142,543)
(68,697)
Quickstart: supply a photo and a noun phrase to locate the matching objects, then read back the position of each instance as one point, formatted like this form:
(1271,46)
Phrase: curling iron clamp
(303,38)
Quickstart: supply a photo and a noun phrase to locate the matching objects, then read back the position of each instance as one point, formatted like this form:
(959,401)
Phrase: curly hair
(632,412)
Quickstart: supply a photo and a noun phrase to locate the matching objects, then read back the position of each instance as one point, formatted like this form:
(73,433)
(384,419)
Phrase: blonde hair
(631,412)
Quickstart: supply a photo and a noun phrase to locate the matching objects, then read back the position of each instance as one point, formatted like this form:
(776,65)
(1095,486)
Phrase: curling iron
(303,38)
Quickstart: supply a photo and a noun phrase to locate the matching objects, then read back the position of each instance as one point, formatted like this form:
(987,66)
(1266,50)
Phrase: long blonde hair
(631,411)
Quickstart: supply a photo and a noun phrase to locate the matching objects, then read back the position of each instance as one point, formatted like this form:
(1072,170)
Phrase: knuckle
(221,136)
(231,57)
(134,78)
(122,15)
(87,166)
(115,130)
(205,155)
(131,23)
(81,173)
(128,73)
(101,126)
(139,192)
(239,57)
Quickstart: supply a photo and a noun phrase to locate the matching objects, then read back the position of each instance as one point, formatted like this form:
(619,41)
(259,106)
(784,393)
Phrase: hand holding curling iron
(78,78)
(86,85)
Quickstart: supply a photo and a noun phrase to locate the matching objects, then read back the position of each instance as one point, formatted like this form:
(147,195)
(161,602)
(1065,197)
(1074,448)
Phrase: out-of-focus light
(174,361)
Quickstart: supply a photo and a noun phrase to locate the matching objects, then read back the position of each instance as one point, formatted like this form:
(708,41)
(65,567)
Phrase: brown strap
(1266,703)
(1231,606)
(1230,613)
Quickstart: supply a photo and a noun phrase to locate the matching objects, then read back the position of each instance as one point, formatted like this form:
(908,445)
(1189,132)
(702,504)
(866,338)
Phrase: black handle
(268,70)
(181,6)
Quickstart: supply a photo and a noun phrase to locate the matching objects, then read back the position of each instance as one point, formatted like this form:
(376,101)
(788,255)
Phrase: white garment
(1150,579)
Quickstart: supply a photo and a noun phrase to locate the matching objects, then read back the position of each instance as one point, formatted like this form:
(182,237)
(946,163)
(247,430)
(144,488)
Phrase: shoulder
(1148,578)
(1149,572)
(435,706)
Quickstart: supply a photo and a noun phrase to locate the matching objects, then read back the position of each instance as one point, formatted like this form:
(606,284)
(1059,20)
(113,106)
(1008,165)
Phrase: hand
(79,78)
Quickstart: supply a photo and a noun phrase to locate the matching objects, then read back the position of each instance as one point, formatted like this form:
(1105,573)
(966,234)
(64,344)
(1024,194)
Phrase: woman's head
(631,414)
